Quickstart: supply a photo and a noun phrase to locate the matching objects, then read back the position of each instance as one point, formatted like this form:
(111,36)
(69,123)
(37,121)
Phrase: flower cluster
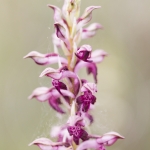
(77,95)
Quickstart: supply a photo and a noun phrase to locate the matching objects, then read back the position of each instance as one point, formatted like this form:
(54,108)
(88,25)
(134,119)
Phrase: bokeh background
(123,103)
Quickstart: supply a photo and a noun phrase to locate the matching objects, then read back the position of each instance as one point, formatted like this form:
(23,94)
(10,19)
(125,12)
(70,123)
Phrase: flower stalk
(68,89)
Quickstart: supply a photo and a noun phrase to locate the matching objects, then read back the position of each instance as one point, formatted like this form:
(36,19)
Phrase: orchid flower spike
(68,89)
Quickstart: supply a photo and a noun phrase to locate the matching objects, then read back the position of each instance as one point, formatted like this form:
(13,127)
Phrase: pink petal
(57,13)
(98,56)
(91,30)
(43,141)
(91,68)
(41,93)
(56,40)
(89,87)
(46,144)
(62,33)
(86,17)
(109,138)
(92,144)
(44,59)
(53,73)
(67,93)
(54,103)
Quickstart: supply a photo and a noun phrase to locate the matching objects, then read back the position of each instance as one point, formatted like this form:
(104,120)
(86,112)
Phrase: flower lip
(59,85)
(85,100)
(78,133)
(84,53)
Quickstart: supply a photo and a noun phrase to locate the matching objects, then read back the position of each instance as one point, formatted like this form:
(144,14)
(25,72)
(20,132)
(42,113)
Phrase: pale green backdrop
(123,102)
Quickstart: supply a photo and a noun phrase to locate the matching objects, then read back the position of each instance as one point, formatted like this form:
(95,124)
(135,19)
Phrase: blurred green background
(123,102)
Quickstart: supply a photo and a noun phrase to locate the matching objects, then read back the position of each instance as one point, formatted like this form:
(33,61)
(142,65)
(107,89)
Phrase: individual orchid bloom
(90,31)
(47,144)
(51,95)
(99,142)
(59,74)
(45,59)
(97,56)
(85,100)
(78,133)
(84,53)
(86,17)
(75,128)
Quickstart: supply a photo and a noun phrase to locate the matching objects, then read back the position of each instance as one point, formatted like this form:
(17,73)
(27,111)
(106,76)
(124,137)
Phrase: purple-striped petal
(42,94)
(57,13)
(62,33)
(86,17)
(89,87)
(109,138)
(53,73)
(45,59)
(54,103)
(46,144)
(90,31)
(98,56)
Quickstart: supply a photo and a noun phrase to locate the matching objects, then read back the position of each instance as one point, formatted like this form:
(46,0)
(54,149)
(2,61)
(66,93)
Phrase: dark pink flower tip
(59,85)
(62,33)
(45,59)
(78,133)
(85,100)
(84,53)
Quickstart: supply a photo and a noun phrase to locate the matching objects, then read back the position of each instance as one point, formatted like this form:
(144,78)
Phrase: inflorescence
(77,95)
